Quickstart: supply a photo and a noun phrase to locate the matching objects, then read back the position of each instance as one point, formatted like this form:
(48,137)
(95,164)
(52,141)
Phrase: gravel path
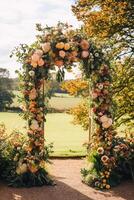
(69,186)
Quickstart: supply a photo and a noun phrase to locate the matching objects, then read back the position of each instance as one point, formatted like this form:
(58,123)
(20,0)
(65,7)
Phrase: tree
(6,96)
(108,19)
(110,24)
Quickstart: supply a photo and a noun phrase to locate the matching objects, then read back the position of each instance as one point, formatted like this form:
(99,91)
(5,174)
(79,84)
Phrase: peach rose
(62,54)
(60,45)
(34,64)
(107,124)
(35,58)
(104,118)
(84,44)
(41,62)
(59,63)
(85,54)
(67,46)
(46,47)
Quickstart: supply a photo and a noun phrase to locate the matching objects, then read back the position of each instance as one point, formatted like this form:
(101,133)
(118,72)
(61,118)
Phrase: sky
(17,24)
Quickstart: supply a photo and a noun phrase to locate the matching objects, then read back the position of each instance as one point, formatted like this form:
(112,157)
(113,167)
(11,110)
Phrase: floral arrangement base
(28,179)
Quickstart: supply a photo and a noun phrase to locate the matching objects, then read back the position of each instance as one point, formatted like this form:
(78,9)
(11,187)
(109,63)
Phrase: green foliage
(6,95)
(123,93)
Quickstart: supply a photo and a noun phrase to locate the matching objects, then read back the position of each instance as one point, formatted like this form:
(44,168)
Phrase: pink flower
(62,54)
(85,54)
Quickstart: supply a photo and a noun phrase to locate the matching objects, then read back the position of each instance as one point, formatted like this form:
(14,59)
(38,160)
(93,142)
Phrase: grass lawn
(67,138)
(58,102)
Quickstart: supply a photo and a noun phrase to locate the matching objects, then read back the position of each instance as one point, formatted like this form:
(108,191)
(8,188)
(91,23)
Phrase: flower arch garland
(62,46)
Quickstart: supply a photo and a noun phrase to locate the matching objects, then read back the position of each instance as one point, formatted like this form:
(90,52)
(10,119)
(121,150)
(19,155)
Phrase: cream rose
(34,125)
(46,47)
(62,54)
(39,52)
(107,124)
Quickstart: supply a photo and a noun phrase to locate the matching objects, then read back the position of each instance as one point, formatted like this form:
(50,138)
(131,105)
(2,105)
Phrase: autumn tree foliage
(104,19)
(110,24)
(79,87)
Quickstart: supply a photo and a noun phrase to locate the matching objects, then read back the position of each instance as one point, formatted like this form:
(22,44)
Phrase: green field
(67,138)
(58,102)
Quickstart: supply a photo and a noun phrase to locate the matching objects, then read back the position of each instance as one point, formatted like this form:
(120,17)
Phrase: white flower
(30,84)
(100,86)
(100,150)
(31,73)
(96,55)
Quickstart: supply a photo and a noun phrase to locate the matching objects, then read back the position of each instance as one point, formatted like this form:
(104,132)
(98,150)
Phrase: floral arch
(62,46)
